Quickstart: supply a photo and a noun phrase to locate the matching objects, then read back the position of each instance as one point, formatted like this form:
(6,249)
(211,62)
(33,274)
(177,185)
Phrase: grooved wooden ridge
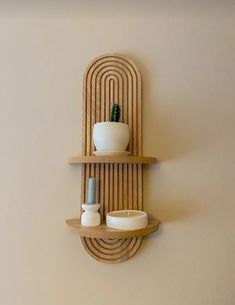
(113,159)
(103,231)
(112,79)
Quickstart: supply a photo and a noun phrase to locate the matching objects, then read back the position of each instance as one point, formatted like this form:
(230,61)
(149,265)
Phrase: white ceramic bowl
(111,136)
(127,219)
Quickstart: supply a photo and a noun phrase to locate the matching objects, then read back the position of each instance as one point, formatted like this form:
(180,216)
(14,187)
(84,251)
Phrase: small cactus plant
(115,114)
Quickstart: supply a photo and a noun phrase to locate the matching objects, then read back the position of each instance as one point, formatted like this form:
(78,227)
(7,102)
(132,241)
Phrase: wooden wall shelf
(104,232)
(112,79)
(112,160)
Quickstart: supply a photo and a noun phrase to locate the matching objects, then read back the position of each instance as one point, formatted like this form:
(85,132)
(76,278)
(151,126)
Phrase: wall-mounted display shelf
(102,231)
(112,159)
(112,79)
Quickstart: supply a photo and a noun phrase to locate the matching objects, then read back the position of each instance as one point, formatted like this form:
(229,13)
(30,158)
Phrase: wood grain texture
(113,159)
(112,250)
(113,79)
(105,232)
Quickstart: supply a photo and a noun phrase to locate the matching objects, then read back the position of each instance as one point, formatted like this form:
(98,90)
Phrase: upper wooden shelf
(102,231)
(113,159)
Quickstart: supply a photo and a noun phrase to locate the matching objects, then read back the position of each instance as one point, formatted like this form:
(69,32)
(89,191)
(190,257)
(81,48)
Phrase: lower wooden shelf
(113,159)
(105,232)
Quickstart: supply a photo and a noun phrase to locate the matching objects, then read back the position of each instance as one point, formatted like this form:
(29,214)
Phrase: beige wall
(186,53)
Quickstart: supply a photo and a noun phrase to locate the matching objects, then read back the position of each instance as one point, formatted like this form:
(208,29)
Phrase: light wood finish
(105,232)
(112,79)
(112,250)
(113,159)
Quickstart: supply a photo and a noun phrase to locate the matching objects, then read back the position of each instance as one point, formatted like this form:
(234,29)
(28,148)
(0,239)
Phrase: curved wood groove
(130,247)
(112,79)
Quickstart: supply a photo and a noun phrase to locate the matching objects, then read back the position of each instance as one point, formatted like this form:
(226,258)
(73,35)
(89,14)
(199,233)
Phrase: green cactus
(115,114)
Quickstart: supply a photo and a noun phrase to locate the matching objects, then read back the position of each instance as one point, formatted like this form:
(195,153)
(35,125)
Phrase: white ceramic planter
(111,136)
(127,219)
(91,216)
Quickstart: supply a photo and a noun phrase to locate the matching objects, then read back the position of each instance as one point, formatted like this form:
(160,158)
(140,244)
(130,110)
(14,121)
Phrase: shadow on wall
(159,133)
(173,211)
(167,143)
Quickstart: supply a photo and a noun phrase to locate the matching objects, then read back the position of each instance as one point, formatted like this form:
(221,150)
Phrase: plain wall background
(186,54)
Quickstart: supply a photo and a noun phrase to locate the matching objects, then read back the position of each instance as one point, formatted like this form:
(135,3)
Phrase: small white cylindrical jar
(90,216)
(127,219)
(111,136)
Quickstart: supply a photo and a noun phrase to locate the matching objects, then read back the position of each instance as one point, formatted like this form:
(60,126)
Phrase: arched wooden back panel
(113,79)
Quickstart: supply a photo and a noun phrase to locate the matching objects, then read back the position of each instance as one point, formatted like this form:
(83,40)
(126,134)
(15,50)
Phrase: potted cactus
(111,137)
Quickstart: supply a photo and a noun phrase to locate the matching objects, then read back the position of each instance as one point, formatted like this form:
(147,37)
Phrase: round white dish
(110,153)
(127,220)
